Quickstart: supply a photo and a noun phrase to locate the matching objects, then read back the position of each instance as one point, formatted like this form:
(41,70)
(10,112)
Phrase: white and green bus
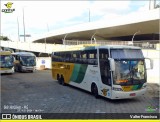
(114,72)
(6,62)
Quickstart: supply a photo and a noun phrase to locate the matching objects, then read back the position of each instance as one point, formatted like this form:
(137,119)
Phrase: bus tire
(62,81)
(19,69)
(15,69)
(58,79)
(94,90)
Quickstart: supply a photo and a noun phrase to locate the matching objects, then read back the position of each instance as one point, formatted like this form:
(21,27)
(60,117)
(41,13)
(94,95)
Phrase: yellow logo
(8,5)
(104,91)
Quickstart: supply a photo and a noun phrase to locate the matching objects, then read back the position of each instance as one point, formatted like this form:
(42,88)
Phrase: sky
(41,17)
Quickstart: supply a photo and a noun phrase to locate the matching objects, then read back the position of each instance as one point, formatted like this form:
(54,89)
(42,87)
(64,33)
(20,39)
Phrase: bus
(114,72)
(24,62)
(6,62)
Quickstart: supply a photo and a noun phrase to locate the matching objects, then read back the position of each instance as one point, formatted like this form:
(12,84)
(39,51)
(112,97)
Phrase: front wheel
(15,69)
(95,91)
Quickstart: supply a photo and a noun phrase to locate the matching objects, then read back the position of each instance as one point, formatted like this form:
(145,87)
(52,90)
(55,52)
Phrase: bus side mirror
(149,63)
(112,64)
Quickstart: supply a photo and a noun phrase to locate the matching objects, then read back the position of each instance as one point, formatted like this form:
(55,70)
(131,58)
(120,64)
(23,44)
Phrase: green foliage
(4,38)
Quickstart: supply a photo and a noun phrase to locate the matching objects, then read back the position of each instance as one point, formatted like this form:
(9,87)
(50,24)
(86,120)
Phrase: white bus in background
(114,72)
(24,62)
(6,62)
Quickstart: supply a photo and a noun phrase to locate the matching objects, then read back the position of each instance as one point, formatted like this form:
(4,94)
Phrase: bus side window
(78,57)
(92,57)
(67,57)
(57,56)
(83,58)
(63,57)
(54,57)
(74,57)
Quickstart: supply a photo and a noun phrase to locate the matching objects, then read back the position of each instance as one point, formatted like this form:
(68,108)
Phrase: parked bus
(6,62)
(24,61)
(114,72)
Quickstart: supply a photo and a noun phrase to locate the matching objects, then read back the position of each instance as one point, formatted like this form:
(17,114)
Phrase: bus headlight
(116,89)
(23,67)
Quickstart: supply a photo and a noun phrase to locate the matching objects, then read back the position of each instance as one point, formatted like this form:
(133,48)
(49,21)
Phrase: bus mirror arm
(150,63)
(112,64)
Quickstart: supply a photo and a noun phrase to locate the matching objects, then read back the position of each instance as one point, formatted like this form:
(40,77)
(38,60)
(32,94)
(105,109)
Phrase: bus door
(105,73)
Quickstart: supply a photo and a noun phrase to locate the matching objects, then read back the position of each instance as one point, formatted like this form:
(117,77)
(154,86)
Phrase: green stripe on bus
(136,87)
(79,75)
(140,86)
(75,72)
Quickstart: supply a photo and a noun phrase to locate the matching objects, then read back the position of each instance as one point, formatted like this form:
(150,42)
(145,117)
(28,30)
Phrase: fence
(144,45)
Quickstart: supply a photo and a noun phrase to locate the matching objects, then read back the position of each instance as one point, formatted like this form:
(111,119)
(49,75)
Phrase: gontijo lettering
(8,6)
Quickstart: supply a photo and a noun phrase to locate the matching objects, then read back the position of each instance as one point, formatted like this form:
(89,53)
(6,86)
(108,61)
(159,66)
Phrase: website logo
(151,109)
(8,6)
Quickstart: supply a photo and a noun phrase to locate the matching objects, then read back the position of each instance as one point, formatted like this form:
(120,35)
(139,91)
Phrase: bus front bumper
(31,68)
(6,70)
(125,95)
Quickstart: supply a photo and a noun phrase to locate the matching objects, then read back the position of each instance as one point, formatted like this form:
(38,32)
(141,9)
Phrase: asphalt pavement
(38,93)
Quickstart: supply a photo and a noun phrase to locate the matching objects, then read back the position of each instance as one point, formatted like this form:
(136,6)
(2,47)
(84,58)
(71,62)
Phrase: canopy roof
(144,25)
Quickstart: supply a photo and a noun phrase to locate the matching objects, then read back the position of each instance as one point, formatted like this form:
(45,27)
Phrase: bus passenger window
(92,59)
(62,57)
(67,57)
(75,57)
(58,58)
(84,57)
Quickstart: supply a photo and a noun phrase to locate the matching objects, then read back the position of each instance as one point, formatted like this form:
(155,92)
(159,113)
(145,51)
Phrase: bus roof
(23,53)
(119,47)
(5,53)
(95,46)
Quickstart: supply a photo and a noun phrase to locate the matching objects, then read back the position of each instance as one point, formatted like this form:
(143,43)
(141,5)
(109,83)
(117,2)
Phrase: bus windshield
(6,61)
(129,72)
(28,60)
(129,66)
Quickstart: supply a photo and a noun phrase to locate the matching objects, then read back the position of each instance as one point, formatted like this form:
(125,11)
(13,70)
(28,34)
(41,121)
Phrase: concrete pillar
(152,4)
(158,46)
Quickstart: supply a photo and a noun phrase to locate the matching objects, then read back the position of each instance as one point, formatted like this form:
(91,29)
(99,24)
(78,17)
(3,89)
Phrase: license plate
(133,94)
(127,88)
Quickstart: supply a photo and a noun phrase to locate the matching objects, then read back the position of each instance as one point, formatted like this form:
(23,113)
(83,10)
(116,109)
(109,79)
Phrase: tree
(4,38)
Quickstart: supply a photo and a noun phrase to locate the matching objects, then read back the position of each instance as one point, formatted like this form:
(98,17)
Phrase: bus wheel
(15,69)
(59,80)
(62,81)
(94,90)
(19,69)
